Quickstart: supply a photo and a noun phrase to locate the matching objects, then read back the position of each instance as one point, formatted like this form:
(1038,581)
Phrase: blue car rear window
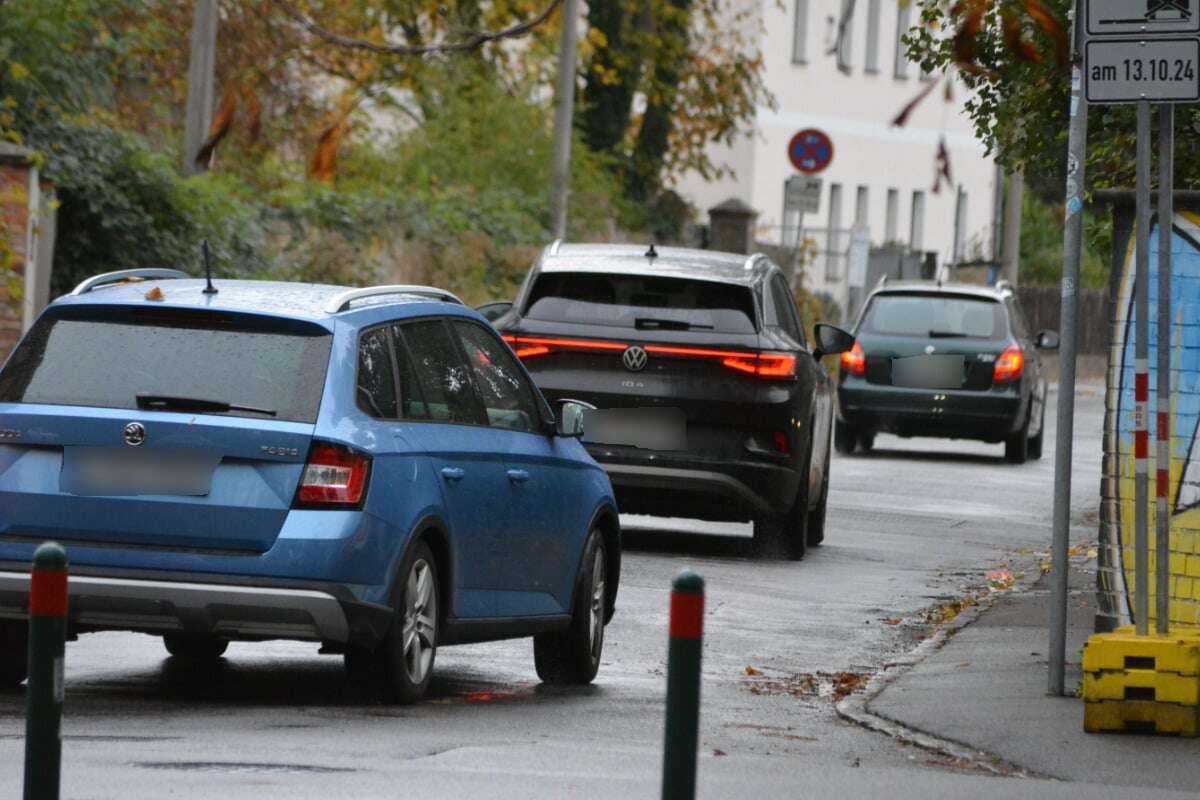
(107,356)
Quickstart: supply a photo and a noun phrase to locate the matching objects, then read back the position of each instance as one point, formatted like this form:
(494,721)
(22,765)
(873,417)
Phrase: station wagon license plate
(649,428)
(928,372)
(101,471)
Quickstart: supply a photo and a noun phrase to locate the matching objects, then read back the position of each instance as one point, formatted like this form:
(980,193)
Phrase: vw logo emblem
(634,358)
(929,349)
(135,434)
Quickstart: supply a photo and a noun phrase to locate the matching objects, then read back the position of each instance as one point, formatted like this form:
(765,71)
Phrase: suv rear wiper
(167,403)
(946,335)
(643,323)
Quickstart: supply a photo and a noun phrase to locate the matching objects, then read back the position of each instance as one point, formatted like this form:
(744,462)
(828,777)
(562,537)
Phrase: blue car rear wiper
(167,403)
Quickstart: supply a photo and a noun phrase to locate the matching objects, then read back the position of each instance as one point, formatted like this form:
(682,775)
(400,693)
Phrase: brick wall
(14,221)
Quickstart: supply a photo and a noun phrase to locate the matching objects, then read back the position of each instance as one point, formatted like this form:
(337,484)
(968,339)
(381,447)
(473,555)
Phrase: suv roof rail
(96,281)
(557,243)
(342,301)
(752,259)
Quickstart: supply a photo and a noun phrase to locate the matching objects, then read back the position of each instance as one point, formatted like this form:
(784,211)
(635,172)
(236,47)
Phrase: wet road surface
(911,526)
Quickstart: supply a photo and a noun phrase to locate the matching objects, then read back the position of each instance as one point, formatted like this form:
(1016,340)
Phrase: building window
(960,225)
(845,35)
(871,53)
(800,33)
(861,207)
(891,224)
(916,231)
(902,25)
(833,236)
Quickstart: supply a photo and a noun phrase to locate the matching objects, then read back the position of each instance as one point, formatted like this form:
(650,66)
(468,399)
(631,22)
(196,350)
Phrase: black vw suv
(954,361)
(708,401)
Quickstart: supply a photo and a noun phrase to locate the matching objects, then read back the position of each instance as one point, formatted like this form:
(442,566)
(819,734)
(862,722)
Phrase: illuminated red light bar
(764,365)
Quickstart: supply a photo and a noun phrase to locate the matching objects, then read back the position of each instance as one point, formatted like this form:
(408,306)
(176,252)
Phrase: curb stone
(854,708)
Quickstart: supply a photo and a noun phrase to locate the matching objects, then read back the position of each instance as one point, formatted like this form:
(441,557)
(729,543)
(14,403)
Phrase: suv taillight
(854,360)
(1009,365)
(335,476)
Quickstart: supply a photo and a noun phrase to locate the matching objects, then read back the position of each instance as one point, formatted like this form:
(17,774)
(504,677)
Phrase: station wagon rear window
(642,302)
(109,356)
(934,316)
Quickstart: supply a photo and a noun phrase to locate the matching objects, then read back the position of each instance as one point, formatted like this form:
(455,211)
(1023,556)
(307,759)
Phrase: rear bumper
(990,416)
(232,611)
(667,485)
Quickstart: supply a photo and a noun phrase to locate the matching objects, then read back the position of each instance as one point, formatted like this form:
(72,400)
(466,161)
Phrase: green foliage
(1042,245)
(123,205)
(1020,110)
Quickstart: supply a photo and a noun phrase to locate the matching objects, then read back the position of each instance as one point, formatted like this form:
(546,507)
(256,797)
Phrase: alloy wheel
(420,622)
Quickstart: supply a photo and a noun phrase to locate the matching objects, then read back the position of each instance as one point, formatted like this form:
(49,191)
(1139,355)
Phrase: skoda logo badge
(929,349)
(135,434)
(634,358)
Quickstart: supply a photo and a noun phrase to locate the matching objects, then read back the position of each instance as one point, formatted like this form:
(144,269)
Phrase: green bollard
(683,687)
(44,695)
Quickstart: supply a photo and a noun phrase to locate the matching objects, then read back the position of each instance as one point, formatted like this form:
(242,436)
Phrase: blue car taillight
(334,477)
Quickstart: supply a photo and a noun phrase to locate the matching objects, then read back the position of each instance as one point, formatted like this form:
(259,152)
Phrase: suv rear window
(643,302)
(935,316)
(106,357)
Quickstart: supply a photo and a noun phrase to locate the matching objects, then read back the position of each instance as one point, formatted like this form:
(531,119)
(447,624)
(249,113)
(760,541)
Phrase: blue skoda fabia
(371,469)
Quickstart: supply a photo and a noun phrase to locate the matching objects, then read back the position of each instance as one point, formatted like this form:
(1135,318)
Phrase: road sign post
(1162,478)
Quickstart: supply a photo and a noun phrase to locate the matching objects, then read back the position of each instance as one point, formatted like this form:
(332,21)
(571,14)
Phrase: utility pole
(201,84)
(1064,450)
(564,112)
(1012,226)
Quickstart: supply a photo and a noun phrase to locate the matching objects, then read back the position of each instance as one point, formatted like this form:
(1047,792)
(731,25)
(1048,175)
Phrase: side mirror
(494,311)
(569,419)
(830,340)
(1046,340)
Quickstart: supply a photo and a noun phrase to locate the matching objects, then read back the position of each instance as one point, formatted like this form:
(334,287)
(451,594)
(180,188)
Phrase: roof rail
(96,281)
(752,259)
(1004,286)
(882,282)
(557,243)
(342,301)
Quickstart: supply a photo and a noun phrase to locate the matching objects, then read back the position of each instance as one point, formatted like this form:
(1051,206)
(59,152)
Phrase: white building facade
(881,176)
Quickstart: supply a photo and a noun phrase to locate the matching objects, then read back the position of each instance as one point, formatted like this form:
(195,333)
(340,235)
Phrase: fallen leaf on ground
(753,671)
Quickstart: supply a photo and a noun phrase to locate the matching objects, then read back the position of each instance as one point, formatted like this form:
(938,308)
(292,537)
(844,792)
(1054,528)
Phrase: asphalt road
(911,526)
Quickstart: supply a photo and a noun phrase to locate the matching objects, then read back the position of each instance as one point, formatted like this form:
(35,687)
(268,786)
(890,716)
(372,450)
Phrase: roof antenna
(210,289)
(651,253)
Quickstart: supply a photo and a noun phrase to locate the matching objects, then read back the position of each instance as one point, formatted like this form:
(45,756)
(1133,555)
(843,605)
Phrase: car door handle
(518,475)
(453,474)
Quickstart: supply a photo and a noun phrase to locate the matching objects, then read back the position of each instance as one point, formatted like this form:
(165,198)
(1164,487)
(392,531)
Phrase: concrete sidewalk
(986,689)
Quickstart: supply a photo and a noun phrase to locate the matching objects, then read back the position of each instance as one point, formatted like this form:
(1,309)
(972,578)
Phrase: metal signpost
(1142,52)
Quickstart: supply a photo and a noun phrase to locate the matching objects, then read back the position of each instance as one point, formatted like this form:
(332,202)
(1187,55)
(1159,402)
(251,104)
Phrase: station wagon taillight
(1009,365)
(854,360)
(335,476)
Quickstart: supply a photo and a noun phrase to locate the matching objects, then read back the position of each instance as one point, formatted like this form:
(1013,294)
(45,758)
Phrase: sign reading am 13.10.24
(1142,50)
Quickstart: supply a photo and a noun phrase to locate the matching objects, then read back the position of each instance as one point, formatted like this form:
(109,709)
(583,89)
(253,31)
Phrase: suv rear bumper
(232,611)
(946,413)
(663,484)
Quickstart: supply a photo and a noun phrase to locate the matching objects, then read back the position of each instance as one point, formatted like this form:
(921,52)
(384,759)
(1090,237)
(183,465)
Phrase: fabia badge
(135,434)
(634,358)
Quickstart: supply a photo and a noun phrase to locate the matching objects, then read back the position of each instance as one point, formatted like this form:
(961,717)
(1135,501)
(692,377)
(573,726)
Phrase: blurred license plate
(650,428)
(100,471)
(928,372)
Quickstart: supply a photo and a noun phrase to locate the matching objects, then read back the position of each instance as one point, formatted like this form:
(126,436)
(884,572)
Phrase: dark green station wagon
(953,361)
